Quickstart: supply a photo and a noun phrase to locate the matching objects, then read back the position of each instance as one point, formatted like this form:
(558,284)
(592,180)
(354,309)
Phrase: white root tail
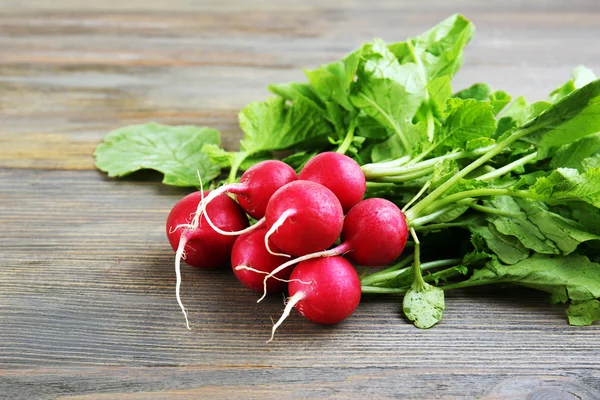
(234,233)
(336,251)
(246,268)
(178,256)
(285,215)
(286,312)
(205,200)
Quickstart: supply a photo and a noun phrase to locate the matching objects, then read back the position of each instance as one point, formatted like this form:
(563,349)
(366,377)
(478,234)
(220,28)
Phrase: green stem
(467,283)
(386,275)
(431,216)
(237,160)
(382,290)
(494,211)
(385,169)
(405,177)
(419,194)
(453,198)
(347,139)
(440,226)
(388,164)
(417,260)
(497,149)
(444,274)
(376,276)
(508,167)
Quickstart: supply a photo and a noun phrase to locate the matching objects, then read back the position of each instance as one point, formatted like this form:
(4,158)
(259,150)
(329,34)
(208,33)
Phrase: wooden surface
(87,307)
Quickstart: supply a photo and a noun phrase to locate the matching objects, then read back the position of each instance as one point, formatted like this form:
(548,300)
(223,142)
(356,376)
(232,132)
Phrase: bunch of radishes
(299,219)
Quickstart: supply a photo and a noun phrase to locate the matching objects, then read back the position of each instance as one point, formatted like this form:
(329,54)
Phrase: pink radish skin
(249,253)
(253,192)
(374,233)
(202,246)
(304,217)
(323,290)
(340,174)
(258,184)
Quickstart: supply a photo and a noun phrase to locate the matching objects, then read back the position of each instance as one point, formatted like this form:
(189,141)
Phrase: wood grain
(87,307)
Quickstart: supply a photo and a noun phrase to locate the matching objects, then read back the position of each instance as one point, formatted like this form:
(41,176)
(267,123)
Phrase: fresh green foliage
(176,151)
(424,305)
(513,187)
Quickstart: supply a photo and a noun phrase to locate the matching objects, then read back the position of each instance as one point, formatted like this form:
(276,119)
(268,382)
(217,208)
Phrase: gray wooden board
(87,304)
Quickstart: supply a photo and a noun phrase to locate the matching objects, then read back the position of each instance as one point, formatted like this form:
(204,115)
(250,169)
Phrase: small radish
(251,260)
(303,217)
(254,190)
(323,290)
(201,245)
(338,173)
(374,233)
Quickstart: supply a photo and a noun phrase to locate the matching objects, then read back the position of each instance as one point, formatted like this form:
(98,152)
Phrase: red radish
(251,260)
(374,233)
(201,245)
(303,217)
(323,290)
(338,173)
(254,190)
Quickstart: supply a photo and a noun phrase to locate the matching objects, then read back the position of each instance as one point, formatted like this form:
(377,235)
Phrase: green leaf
(389,149)
(508,248)
(275,125)
(579,154)
(424,305)
(521,228)
(387,91)
(568,184)
(441,47)
(478,91)
(369,127)
(442,171)
(499,99)
(466,120)
(581,77)
(513,116)
(583,313)
(440,91)
(176,151)
(294,91)
(332,81)
(217,155)
(570,119)
(565,233)
(572,277)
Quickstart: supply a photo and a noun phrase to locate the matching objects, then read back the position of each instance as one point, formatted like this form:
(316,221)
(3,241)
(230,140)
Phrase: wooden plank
(87,307)
(294,383)
(70,74)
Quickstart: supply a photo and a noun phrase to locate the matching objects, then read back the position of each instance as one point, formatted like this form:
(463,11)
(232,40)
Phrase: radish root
(178,256)
(336,251)
(292,301)
(285,215)
(246,268)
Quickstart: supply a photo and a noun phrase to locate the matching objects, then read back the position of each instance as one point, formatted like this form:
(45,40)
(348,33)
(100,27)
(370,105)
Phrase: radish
(374,233)
(338,173)
(251,260)
(254,190)
(202,246)
(303,217)
(324,290)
